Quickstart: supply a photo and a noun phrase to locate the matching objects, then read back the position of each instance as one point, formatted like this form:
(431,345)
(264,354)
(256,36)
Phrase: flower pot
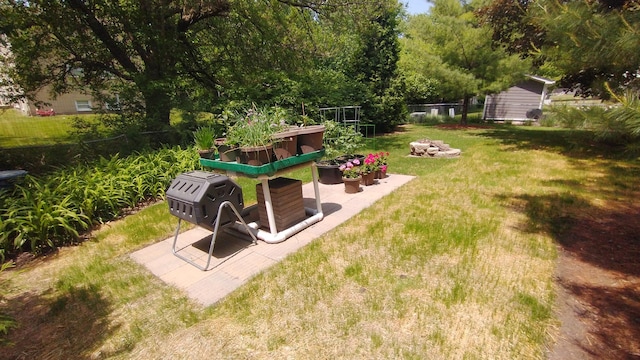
(352,185)
(329,172)
(226,152)
(285,144)
(368,179)
(310,138)
(380,174)
(255,155)
(207,154)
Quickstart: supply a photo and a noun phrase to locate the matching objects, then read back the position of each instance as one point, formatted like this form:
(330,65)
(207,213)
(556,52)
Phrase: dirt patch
(598,277)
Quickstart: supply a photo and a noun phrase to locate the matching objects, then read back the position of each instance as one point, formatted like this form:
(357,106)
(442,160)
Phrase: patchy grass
(457,264)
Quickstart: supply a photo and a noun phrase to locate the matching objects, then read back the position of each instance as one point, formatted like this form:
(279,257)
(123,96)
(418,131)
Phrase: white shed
(521,102)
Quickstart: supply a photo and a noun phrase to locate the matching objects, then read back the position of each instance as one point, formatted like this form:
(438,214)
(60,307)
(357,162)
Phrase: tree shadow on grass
(600,269)
(67,326)
(599,240)
(577,144)
(607,237)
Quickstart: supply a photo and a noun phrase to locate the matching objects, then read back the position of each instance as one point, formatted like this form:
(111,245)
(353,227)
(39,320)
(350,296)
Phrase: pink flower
(356,161)
(343,167)
(383,168)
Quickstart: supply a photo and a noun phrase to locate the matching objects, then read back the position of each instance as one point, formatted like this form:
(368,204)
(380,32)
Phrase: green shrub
(47,212)
(340,139)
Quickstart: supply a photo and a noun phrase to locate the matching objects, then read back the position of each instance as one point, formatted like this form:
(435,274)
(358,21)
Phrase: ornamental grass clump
(256,128)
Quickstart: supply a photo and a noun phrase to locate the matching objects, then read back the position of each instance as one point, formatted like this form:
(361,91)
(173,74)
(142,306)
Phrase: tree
(375,65)
(512,26)
(452,47)
(592,43)
(153,51)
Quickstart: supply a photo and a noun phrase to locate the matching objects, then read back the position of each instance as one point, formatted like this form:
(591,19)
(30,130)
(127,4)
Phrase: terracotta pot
(368,179)
(255,155)
(352,185)
(381,174)
(310,138)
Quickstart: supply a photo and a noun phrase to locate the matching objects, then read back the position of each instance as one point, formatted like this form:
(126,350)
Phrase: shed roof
(541,79)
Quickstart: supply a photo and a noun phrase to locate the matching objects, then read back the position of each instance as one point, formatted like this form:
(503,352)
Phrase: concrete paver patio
(236,259)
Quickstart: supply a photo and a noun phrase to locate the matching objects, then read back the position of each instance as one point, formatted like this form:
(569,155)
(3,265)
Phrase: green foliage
(47,212)
(421,89)
(450,46)
(589,43)
(6,321)
(204,137)
(256,127)
(615,124)
(169,54)
(375,65)
(340,139)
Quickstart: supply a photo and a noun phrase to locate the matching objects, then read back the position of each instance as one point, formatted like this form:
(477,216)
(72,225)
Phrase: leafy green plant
(6,321)
(51,211)
(340,139)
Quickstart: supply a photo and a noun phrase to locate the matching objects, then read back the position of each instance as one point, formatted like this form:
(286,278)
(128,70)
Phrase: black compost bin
(196,197)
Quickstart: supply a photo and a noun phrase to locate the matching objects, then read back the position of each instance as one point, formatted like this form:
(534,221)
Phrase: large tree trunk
(158,107)
(465,109)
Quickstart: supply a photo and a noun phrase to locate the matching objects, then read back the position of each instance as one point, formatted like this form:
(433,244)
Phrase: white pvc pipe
(268,206)
(274,236)
(282,235)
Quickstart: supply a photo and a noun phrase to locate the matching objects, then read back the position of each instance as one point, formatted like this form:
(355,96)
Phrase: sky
(417,6)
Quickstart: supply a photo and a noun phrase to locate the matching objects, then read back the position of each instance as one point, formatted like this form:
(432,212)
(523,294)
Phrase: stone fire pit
(433,149)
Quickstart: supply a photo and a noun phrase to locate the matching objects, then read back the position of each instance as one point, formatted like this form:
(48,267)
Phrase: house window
(115,105)
(83,105)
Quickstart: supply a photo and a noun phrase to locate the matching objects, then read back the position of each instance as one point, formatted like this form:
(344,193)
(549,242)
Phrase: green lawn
(458,264)
(18,130)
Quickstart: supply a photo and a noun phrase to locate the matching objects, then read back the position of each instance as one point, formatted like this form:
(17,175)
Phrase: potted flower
(340,143)
(369,170)
(351,176)
(203,138)
(381,162)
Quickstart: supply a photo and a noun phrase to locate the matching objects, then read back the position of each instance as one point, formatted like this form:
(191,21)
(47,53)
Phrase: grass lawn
(458,264)
(18,130)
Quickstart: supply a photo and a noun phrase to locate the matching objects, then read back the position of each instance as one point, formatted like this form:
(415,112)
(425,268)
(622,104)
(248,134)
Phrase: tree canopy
(160,54)
(591,43)
(451,46)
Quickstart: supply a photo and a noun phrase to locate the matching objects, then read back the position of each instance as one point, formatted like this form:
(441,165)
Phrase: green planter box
(268,169)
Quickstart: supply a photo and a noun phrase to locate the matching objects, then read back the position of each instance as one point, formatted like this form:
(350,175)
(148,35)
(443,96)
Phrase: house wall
(71,103)
(514,103)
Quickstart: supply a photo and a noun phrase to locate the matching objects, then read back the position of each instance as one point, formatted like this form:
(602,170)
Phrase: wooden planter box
(287,202)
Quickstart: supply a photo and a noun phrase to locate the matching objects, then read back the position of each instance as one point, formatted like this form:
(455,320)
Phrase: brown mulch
(598,277)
